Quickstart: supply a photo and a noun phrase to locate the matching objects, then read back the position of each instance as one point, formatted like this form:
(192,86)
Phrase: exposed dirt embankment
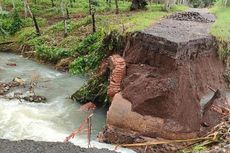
(170,67)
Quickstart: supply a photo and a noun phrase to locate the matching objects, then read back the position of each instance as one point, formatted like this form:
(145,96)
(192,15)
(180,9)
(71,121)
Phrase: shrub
(51,54)
(95,90)
(10,23)
(89,53)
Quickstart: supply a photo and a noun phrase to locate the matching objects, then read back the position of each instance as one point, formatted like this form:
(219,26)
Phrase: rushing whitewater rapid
(51,121)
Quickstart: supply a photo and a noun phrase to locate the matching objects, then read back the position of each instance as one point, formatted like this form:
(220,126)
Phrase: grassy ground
(221,28)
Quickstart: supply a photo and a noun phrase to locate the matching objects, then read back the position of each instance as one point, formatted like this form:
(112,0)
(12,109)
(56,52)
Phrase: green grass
(221,31)
(51,44)
(194,149)
(86,49)
(221,28)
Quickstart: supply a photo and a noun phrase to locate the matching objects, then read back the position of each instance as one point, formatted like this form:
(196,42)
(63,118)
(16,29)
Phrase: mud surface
(29,146)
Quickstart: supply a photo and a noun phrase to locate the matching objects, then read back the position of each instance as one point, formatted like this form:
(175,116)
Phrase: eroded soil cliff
(170,67)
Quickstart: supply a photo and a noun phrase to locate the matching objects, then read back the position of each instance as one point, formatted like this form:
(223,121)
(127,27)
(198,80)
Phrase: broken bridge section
(169,68)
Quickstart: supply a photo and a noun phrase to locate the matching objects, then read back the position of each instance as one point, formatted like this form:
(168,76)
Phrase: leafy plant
(95,90)
(89,53)
(16,24)
(10,23)
(51,54)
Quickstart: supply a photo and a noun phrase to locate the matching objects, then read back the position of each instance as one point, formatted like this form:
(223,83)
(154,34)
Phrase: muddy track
(29,146)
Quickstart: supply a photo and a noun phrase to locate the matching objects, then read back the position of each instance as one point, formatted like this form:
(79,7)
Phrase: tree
(1,8)
(65,15)
(226,3)
(117,8)
(13,4)
(92,11)
(168,4)
(138,4)
(93,19)
(27,8)
(90,7)
(109,2)
(52,3)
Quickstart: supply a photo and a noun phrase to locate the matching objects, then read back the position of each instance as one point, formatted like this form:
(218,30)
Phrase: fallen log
(6,43)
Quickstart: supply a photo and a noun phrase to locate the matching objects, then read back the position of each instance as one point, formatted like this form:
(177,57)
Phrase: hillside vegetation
(221,31)
(85,48)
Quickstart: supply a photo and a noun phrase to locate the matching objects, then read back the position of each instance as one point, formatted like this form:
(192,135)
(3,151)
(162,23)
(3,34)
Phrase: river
(51,121)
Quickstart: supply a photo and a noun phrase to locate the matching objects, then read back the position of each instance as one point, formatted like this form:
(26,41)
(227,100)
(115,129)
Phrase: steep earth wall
(170,67)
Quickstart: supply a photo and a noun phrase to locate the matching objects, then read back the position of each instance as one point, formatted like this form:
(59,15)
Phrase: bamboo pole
(163,142)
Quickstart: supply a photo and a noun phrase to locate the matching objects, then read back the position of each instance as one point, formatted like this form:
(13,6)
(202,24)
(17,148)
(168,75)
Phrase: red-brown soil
(170,67)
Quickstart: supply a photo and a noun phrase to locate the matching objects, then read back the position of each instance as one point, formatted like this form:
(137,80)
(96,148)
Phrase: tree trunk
(65,28)
(65,11)
(225,2)
(52,3)
(36,25)
(108,2)
(94,22)
(25,8)
(168,4)
(138,4)
(90,8)
(34,20)
(71,3)
(1,7)
(13,4)
(117,8)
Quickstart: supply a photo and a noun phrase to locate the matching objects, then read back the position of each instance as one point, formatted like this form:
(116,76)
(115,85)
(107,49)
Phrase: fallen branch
(89,129)
(78,130)
(218,133)
(163,142)
(6,43)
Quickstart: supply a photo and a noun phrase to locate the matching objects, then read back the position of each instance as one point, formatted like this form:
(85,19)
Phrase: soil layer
(170,68)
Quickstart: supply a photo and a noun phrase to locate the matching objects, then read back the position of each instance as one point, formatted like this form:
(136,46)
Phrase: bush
(89,53)
(10,23)
(95,90)
(26,34)
(51,54)
(202,3)
(16,24)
